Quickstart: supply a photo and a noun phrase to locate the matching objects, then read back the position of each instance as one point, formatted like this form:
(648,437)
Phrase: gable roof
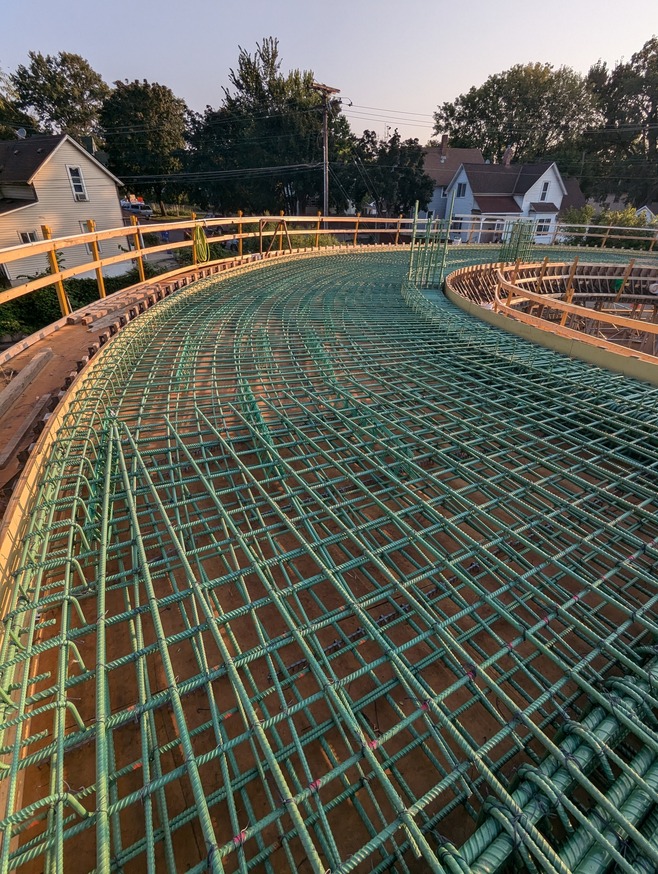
(504,179)
(21,160)
(497,203)
(574,196)
(441,163)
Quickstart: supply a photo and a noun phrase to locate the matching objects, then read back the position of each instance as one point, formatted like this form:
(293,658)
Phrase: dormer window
(544,191)
(78,184)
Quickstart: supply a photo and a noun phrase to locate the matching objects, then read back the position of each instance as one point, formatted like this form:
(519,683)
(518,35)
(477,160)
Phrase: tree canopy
(627,145)
(390,173)
(143,125)
(532,108)
(62,92)
(11,117)
(262,148)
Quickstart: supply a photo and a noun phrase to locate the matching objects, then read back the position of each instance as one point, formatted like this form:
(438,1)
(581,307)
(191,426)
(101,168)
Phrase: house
(489,195)
(649,212)
(54,181)
(441,164)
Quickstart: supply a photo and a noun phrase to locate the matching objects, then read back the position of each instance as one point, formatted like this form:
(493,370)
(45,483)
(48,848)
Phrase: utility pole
(325,91)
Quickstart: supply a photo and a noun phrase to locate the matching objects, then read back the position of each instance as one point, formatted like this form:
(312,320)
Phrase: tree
(11,117)
(262,149)
(144,128)
(533,108)
(627,146)
(390,173)
(62,92)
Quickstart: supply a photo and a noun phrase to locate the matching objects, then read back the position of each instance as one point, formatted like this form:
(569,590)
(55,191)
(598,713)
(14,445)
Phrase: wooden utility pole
(325,91)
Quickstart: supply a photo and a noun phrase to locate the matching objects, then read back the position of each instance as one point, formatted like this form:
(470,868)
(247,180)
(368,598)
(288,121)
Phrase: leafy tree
(243,153)
(589,218)
(532,108)
(627,146)
(144,128)
(390,173)
(11,117)
(62,92)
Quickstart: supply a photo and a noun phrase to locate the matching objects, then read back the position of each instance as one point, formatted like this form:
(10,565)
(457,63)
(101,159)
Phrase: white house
(54,181)
(488,195)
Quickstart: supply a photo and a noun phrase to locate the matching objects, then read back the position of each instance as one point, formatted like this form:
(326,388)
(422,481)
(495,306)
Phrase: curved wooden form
(610,308)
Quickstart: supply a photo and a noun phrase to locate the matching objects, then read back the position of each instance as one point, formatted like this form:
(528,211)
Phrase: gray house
(441,164)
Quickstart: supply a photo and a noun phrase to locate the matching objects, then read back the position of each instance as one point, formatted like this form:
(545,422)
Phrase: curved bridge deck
(319,578)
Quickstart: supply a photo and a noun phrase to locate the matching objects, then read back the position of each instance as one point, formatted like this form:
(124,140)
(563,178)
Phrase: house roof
(574,196)
(505,179)
(442,171)
(543,207)
(9,204)
(20,160)
(494,204)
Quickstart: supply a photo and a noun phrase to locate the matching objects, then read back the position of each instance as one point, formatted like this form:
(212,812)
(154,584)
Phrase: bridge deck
(310,575)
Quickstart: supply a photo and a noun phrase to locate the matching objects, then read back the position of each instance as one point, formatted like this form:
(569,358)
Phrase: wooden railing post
(64,305)
(240,214)
(317,230)
(356,228)
(95,250)
(542,274)
(624,280)
(568,292)
(397,233)
(138,248)
(195,259)
(281,213)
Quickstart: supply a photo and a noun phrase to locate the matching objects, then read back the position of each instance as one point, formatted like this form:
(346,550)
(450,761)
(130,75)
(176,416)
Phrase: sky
(393,60)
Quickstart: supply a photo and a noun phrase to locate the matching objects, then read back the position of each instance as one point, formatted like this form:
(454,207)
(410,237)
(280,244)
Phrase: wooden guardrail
(244,229)
(249,231)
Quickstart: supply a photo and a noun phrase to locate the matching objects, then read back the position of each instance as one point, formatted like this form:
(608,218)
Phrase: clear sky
(396,60)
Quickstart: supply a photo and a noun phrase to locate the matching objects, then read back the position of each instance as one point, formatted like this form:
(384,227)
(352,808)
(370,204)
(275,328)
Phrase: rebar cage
(323,576)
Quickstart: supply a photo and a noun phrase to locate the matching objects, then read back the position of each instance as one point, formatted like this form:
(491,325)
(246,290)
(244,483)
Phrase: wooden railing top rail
(27,250)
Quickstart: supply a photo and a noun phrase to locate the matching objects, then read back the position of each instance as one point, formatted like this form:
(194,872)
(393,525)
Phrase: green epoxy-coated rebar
(323,574)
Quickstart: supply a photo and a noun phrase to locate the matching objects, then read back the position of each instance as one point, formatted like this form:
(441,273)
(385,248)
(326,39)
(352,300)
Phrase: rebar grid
(319,576)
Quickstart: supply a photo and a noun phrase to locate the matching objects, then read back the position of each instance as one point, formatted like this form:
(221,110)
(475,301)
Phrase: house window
(85,230)
(28,236)
(78,184)
(544,191)
(443,191)
(543,226)
(461,189)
